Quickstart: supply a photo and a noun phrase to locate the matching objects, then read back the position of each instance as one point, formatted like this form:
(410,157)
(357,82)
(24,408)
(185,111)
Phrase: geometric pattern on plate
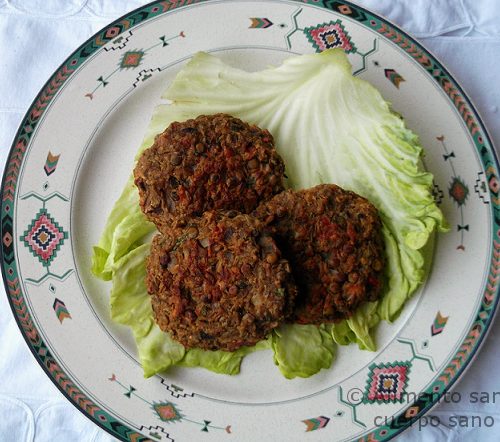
(316,423)
(51,163)
(175,390)
(481,188)
(260,23)
(44,237)
(387,382)
(437,193)
(131,59)
(458,190)
(395,78)
(416,355)
(438,324)
(62,312)
(328,36)
(167,411)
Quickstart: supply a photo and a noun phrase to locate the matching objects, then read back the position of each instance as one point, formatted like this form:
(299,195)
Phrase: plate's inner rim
(85,153)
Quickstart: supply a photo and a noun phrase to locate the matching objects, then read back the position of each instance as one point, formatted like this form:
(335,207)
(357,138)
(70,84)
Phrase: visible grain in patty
(219,283)
(333,241)
(211,162)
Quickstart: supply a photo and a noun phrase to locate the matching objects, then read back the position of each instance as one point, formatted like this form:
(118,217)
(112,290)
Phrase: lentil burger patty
(211,162)
(333,240)
(219,283)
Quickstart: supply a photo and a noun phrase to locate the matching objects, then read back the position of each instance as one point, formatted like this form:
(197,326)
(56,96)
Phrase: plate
(74,151)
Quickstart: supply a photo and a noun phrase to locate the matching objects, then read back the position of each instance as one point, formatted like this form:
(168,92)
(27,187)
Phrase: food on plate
(219,283)
(333,240)
(207,163)
(329,127)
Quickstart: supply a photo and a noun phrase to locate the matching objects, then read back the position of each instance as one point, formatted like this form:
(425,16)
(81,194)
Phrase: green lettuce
(223,362)
(302,350)
(131,306)
(125,227)
(329,127)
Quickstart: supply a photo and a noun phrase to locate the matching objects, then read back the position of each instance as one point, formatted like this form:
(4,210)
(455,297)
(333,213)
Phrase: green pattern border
(481,140)
(45,263)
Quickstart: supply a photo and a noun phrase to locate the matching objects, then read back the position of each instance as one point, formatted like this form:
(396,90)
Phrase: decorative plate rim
(468,349)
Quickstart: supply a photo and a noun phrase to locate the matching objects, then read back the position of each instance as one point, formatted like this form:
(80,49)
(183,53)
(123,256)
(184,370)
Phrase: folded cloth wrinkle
(485,16)
(32,48)
(71,425)
(106,8)
(47,8)
(17,423)
(19,373)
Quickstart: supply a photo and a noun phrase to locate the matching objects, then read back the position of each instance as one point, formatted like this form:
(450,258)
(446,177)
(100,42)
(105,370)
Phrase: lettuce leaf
(329,127)
(342,333)
(223,362)
(302,350)
(125,227)
(131,306)
(157,351)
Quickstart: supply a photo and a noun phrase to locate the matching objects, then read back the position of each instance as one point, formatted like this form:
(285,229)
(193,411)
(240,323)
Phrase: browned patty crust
(209,163)
(219,283)
(333,240)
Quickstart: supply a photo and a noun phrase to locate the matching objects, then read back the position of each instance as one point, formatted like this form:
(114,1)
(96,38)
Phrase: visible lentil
(209,163)
(204,300)
(333,241)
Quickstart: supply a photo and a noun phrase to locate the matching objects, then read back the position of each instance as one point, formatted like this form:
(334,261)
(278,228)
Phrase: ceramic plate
(74,152)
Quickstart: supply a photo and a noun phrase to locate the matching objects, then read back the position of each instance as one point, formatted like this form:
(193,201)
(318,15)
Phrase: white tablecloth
(37,35)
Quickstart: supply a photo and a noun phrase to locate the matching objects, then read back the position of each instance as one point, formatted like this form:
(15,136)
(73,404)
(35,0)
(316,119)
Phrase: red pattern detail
(46,95)
(494,275)
(387,383)
(132,59)
(44,222)
(38,109)
(171,4)
(13,170)
(461,105)
(7,239)
(447,85)
(461,356)
(112,32)
(19,304)
(322,33)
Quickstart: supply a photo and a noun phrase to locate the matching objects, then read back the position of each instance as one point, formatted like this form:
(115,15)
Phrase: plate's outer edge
(391,32)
